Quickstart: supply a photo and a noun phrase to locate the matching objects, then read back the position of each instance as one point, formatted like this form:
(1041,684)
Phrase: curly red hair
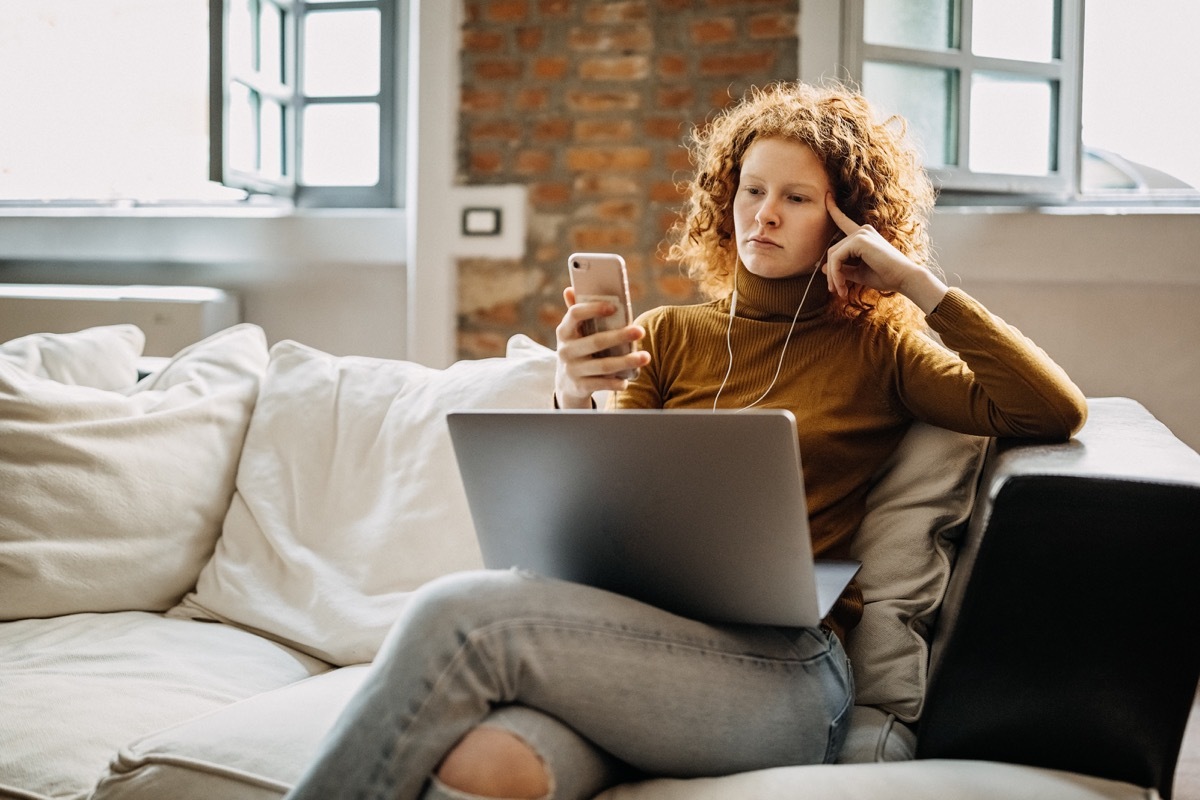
(875,172)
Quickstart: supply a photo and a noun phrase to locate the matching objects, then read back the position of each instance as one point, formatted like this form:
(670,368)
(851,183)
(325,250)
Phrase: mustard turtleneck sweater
(853,386)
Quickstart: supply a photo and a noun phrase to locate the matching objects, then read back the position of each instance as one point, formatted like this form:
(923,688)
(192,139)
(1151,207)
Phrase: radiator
(172,317)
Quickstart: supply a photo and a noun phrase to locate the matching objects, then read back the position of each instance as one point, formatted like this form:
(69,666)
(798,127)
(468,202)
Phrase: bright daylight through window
(107,101)
(1011,95)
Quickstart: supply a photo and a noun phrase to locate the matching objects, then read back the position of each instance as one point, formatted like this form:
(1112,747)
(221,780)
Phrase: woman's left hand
(866,258)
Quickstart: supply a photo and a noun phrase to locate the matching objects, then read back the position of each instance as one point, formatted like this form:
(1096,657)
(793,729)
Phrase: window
(990,87)
(1035,97)
(303,98)
(113,101)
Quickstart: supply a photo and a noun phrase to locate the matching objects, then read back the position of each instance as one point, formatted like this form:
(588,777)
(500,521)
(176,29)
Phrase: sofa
(197,566)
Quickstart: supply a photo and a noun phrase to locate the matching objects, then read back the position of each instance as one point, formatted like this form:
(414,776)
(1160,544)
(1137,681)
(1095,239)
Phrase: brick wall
(588,103)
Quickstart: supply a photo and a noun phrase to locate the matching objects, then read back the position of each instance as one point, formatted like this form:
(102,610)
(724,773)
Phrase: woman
(807,225)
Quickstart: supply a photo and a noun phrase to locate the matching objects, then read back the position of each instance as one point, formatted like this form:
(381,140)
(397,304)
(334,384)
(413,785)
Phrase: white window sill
(216,234)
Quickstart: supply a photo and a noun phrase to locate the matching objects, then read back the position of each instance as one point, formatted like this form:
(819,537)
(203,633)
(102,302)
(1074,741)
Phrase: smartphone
(602,276)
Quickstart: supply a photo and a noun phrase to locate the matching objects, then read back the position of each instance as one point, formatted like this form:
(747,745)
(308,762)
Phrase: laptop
(701,513)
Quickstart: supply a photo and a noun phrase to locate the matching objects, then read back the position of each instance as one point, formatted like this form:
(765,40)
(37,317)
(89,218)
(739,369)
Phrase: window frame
(1064,71)
(293,101)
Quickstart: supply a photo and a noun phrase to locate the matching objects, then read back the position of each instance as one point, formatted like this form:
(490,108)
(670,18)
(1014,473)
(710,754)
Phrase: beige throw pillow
(348,494)
(925,492)
(103,358)
(114,500)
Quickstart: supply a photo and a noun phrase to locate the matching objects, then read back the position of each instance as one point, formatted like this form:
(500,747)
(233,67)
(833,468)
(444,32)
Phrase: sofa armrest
(1070,635)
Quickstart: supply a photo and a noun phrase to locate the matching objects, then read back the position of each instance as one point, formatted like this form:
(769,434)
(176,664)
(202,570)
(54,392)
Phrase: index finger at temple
(839,217)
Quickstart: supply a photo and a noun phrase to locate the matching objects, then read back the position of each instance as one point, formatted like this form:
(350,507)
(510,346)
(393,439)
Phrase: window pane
(341,144)
(1018,29)
(1012,125)
(241,36)
(243,128)
(271,127)
(922,24)
(270,41)
(341,52)
(105,99)
(925,96)
(1139,107)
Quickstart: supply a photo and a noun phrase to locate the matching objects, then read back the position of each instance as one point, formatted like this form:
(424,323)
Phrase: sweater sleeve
(996,382)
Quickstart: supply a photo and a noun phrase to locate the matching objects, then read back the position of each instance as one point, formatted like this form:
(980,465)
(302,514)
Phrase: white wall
(1113,297)
(333,280)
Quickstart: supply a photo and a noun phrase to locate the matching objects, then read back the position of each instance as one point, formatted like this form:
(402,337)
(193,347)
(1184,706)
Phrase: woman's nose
(766,214)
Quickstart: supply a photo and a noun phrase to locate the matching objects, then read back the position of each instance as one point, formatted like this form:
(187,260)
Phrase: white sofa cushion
(104,357)
(924,493)
(76,688)
(348,495)
(114,500)
(252,750)
(256,750)
(902,780)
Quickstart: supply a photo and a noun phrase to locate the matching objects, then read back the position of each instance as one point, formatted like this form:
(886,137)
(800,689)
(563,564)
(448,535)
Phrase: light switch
(481,221)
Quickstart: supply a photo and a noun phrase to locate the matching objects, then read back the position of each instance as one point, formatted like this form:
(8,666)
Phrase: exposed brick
(477,41)
(483,99)
(481,344)
(750,3)
(603,101)
(495,129)
(603,238)
(534,162)
(609,12)
(487,161)
(550,193)
(672,66)
(594,184)
(551,68)
(619,68)
(550,314)
(676,97)
(554,8)
(671,128)
(596,159)
(556,129)
(678,288)
(532,99)
(678,160)
(622,39)
(716,30)
(736,64)
(666,221)
(772,26)
(530,37)
(613,210)
(593,121)
(604,130)
(497,69)
(666,192)
(505,10)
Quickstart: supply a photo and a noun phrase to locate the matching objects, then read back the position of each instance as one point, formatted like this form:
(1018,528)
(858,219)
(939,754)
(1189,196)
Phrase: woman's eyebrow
(787,186)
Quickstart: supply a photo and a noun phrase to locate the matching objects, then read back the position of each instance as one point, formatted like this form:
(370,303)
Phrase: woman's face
(779,218)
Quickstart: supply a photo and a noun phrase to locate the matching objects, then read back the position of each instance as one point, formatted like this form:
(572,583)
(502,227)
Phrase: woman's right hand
(579,373)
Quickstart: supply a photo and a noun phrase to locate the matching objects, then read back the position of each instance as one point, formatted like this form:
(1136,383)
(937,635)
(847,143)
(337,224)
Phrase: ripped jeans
(603,687)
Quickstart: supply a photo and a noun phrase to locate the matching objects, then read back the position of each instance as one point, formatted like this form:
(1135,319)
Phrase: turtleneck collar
(778,297)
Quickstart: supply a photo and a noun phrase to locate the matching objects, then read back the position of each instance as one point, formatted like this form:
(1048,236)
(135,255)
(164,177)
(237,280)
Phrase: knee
(492,762)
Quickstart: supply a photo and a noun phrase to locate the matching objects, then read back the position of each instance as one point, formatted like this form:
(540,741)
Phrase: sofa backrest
(1068,638)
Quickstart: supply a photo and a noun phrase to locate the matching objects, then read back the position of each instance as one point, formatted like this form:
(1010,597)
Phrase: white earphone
(729,343)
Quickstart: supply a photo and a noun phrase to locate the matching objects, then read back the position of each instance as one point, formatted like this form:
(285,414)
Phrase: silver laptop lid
(698,512)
